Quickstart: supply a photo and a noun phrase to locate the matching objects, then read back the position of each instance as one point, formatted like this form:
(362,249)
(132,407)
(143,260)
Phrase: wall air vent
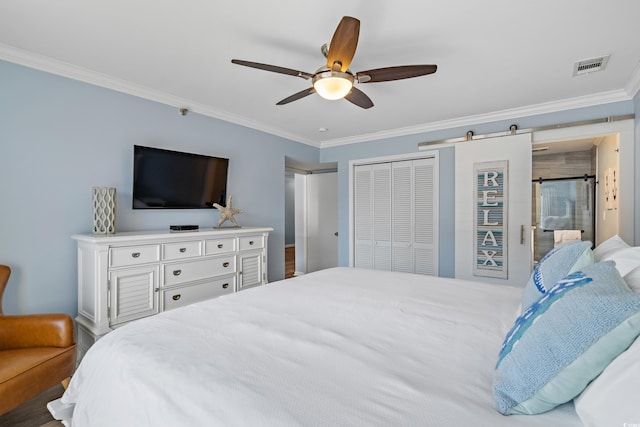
(588,66)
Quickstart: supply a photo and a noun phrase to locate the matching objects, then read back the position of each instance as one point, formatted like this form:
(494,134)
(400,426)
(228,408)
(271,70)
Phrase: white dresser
(130,275)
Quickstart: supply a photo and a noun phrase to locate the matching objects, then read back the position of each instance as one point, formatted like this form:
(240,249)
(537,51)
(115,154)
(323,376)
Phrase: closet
(395,215)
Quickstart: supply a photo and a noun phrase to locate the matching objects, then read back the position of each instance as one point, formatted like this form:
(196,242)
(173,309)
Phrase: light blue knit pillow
(558,263)
(565,339)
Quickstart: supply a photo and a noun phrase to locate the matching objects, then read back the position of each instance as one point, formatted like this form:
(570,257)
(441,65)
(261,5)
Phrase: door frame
(628,223)
(301,201)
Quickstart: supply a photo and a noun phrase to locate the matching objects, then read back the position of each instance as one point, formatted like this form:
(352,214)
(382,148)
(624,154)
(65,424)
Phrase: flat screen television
(165,179)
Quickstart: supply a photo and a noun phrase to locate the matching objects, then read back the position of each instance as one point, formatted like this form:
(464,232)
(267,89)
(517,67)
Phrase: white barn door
(516,150)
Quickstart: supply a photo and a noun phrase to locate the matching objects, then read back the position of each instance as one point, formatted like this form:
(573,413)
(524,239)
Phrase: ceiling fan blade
(357,97)
(343,43)
(273,68)
(395,73)
(297,96)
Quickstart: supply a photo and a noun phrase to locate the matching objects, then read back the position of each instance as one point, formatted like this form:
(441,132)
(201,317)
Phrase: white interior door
(516,150)
(322,221)
(425,213)
(372,213)
(415,205)
(403,216)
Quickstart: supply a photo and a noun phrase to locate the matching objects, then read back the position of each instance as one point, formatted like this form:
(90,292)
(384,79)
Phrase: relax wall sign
(490,219)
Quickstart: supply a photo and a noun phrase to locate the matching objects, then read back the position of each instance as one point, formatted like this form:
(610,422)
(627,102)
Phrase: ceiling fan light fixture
(333,85)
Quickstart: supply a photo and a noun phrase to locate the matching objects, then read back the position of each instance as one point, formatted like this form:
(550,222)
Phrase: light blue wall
(409,144)
(60,137)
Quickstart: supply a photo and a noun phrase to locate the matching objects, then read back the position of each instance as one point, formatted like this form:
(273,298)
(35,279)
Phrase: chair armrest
(36,330)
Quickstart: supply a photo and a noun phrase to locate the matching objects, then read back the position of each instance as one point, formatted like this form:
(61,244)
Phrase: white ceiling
(496,58)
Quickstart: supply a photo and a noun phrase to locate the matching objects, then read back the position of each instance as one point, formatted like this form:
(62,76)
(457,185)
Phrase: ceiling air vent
(590,65)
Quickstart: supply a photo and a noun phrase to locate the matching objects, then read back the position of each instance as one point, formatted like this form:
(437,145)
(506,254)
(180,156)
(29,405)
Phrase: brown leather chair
(36,352)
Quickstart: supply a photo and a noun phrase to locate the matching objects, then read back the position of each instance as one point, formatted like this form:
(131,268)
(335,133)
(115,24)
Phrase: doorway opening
(568,199)
(311,216)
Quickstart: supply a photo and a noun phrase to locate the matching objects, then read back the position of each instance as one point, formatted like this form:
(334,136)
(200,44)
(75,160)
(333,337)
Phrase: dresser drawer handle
(251,242)
(225,264)
(177,272)
(225,286)
(220,245)
(176,297)
(135,254)
(183,250)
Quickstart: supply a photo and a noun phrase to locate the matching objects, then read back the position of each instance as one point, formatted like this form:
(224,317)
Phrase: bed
(338,347)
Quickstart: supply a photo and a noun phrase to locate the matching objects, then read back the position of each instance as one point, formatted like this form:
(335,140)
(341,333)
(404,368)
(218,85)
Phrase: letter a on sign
(489,237)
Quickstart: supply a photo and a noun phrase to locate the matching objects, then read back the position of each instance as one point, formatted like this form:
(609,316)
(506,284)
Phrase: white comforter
(339,347)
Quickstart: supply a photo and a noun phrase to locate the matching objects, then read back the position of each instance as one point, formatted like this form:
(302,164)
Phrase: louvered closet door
(381,216)
(363,217)
(372,216)
(395,216)
(414,216)
(425,253)
(403,216)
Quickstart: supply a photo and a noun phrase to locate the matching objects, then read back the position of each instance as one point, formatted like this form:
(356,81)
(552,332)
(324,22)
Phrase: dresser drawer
(251,242)
(175,298)
(188,271)
(133,255)
(180,250)
(219,246)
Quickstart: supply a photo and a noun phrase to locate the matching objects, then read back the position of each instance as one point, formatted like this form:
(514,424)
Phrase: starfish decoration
(227,213)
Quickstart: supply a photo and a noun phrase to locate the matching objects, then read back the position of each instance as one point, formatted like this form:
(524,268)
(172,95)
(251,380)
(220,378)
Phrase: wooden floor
(34,413)
(289,262)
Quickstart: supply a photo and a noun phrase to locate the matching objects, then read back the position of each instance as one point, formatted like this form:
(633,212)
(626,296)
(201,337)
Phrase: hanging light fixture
(333,85)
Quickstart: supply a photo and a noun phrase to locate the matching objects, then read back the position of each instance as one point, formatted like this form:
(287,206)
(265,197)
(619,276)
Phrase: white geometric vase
(104,210)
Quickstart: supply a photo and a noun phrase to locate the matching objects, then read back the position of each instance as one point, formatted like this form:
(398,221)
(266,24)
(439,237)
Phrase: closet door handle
(522,234)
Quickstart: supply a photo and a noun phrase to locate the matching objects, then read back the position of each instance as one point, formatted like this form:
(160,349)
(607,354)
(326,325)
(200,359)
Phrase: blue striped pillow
(565,339)
(555,265)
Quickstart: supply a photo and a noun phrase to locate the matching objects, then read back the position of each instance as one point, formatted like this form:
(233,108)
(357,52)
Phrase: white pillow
(609,246)
(612,398)
(633,279)
(626,259)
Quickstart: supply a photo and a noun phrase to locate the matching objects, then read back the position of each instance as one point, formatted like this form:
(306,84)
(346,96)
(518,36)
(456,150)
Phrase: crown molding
(61,68)
(531,110)
(634,84)
(65,69)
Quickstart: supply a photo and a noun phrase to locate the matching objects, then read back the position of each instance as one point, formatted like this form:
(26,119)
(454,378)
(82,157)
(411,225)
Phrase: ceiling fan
(336,80)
